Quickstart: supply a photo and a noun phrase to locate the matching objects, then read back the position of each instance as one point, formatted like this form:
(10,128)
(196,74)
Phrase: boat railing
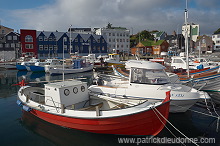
(201,86)
(56,107)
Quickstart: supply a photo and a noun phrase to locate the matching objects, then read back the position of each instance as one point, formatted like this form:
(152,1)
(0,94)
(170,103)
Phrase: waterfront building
(83,30)
(176,42)
(4,30)
(192,30)
(148,47)
(118,38)
(52,44)
(216,40)
(28,43)
(10,46)
(204,44)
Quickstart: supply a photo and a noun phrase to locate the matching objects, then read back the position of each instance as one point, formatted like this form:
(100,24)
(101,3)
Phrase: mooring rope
(165,125)
(175,127)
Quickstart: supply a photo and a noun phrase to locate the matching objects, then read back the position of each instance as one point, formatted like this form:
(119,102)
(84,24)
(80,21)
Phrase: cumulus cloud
(164,15)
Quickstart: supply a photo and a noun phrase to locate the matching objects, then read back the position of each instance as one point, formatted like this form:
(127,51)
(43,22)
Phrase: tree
(217,31)
(141,36)
(109,25)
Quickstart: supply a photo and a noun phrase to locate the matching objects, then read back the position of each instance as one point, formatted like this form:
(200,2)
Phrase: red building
(28,43)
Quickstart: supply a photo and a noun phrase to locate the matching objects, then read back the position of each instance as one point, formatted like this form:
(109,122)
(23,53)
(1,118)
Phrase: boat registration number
(177,95)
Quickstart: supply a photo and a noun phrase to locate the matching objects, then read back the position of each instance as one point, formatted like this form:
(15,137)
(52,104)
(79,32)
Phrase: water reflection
(10,77)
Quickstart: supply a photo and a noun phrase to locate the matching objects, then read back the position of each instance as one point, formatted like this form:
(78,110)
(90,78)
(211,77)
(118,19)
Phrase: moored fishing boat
(78,66)
(25,65)
(70,104)
(149,80)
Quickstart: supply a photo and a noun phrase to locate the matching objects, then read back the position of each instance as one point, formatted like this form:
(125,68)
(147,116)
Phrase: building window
(45,47)
(28,38)
(65,47)
(3,31)
(7,45)
(76,48)
(15,38)
(9,37)
(55,47)
(29,46)
(51,47)
(50,38)
(1,45)
(13,45)
(17,45)
(45,38)
(29,53)
(109,34)
(41,55)
(109,40)
(81,40)
(40,38)
(76,40)
(98,40)
(41,47)
(55,39)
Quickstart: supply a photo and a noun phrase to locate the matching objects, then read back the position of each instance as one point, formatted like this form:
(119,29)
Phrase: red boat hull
(144,123)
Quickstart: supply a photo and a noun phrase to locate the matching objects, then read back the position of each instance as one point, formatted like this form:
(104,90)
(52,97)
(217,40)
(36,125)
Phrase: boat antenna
(186,40)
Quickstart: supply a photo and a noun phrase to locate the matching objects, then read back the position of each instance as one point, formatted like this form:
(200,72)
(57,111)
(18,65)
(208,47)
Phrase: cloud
(165,15)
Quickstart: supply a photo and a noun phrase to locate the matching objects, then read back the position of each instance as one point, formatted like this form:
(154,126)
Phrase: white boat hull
(69,71)
(181,99)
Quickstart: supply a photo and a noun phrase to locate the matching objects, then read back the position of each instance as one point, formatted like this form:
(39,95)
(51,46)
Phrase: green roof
(152,43)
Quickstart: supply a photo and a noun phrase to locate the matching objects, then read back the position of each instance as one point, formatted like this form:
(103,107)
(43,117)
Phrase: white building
(118,38)
(193,31)
(216,40)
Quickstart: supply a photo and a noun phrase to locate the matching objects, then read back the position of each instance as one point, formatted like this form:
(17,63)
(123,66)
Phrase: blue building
(52,44)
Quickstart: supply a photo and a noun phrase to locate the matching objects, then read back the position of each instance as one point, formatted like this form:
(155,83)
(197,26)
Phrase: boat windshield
(149,76)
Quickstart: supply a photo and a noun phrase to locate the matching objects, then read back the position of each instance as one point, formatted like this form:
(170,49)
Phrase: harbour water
(23,129)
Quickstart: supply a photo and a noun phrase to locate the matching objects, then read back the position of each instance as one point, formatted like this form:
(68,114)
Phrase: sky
(136,15)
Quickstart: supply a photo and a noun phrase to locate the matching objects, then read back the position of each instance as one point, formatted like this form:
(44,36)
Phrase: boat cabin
(68,93)
(147,72)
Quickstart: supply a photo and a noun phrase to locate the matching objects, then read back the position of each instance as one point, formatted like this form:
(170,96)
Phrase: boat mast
(63,61)
(70,40)
(186,40)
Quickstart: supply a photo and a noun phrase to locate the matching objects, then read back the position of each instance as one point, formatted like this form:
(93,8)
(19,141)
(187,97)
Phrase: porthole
(75,90)
(82,88)
(66,92)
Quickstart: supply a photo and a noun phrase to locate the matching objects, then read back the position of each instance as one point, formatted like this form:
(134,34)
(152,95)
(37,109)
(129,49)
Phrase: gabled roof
(58,35)
(158,34)
(12,32)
